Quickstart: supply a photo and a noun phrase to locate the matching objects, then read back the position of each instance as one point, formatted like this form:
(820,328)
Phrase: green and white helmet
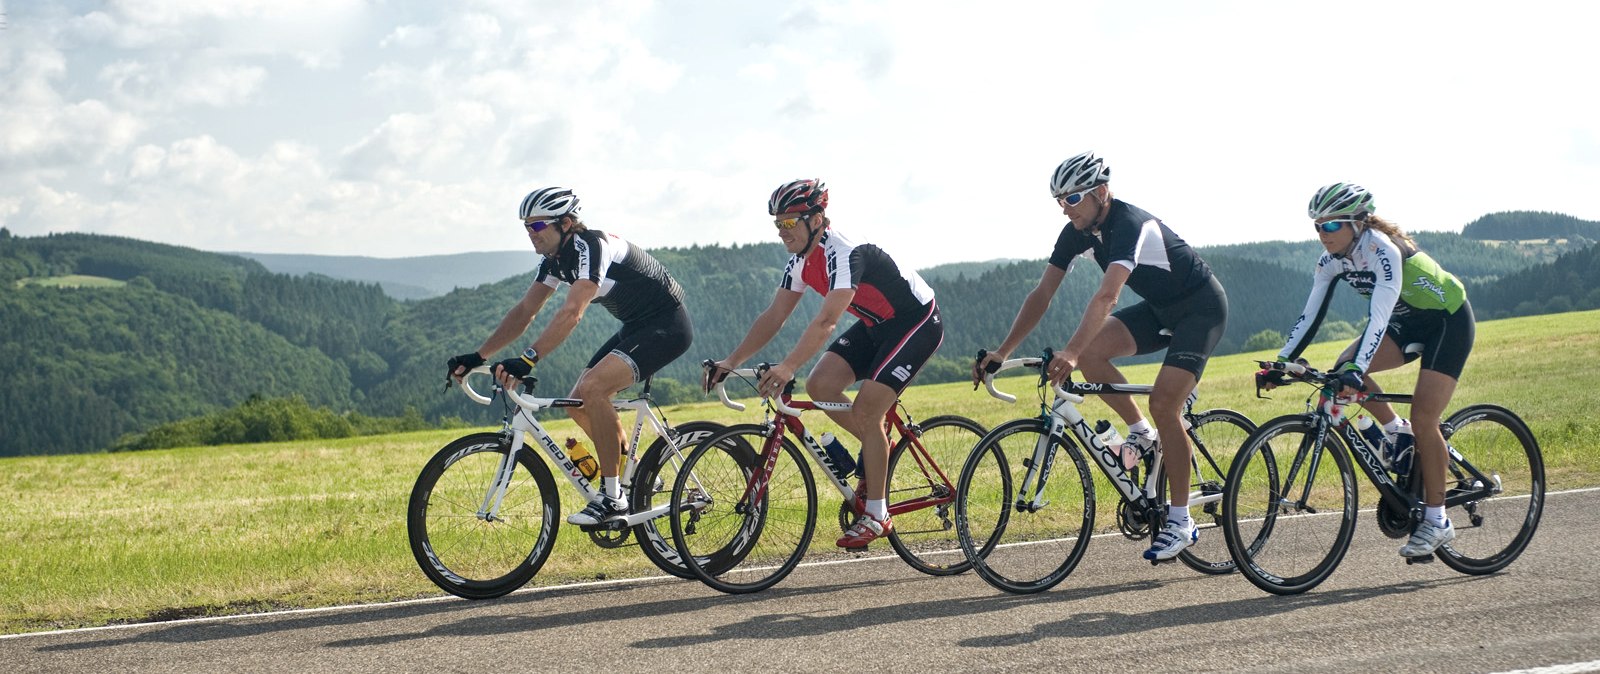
(1341,199)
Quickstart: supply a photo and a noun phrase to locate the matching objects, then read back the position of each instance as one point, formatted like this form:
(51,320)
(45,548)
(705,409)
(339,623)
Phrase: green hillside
(214,530)
(170,333)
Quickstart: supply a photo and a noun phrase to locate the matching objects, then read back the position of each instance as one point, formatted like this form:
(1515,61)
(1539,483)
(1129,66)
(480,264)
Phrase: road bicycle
(768,515)
(480,528)
(1289,510)
(1025,528)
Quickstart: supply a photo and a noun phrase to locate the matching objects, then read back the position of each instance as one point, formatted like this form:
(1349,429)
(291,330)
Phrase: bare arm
(1032,310)
(516,319)
(765,327)
(821,328)
(579,295)
(1094,318)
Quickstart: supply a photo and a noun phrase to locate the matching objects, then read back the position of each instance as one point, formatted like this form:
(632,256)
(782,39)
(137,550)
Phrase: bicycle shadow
(1111,623)
(792,626)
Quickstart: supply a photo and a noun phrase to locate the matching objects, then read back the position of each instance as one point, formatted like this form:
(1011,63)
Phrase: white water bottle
(1113,441)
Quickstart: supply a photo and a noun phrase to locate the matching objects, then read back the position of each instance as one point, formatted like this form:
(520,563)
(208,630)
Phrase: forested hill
(1526,225)
(102,336)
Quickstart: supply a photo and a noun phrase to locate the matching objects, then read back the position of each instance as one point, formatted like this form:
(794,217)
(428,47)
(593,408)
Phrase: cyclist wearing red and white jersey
(898,331)
(1412,301)
(1181,297)
(632,285)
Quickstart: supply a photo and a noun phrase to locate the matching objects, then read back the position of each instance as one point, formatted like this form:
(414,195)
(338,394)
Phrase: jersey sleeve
(1316,307)
(1069,245)
(594,257)
(1385,261)
(791,275)
(1148,247)
(543,274)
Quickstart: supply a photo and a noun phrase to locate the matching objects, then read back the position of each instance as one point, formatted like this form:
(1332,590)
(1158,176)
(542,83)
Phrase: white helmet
(549,202)
(1341,199)
(1079,173)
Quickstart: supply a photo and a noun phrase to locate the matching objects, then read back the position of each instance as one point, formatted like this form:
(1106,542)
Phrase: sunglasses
(1331,226)
(1075,198)
(789,222)
(537,225)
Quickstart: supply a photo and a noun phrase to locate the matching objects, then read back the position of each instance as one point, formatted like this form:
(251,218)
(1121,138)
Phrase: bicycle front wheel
(729,542)
(465,550)
(1491,532)
(1289,507)
(925,535)
(1024,507)
(652,488)
(1215,438)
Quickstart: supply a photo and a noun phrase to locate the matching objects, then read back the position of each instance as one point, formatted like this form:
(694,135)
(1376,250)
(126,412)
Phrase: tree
(1265,340)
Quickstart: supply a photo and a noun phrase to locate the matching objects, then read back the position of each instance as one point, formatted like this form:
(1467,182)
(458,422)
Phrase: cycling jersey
(1164,268)
(633,285)
(1396,283)
(883,289)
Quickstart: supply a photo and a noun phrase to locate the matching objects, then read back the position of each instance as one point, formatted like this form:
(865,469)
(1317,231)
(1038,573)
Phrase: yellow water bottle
(584,460)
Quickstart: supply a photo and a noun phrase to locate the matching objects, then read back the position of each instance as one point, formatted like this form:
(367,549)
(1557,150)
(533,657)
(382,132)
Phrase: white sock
(878,508)
(1179,514)
(613,487)
(1141,426)
(1395,425)
(1434,514)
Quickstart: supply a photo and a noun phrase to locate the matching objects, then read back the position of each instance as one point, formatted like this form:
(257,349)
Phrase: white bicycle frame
(819,456)
(523,424)
(1064,415)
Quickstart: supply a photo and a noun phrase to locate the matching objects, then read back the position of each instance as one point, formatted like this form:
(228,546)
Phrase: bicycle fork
(1044,457)
(490,510)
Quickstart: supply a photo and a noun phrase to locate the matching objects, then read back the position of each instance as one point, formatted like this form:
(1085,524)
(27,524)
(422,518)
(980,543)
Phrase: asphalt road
(1115,613)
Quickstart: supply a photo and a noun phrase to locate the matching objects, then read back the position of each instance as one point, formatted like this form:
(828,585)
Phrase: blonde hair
(1395,234)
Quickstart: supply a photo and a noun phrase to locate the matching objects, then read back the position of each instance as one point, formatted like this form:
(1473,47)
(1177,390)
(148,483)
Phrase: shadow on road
(1110,624)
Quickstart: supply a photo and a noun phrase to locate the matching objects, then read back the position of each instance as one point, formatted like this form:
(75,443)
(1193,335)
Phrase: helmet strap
(811,234)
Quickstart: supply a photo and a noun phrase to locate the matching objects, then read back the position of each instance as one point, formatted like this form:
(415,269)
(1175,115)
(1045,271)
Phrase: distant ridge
(407,278)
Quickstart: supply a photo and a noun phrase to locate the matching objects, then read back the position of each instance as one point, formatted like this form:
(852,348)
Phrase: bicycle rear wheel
(926,537)
(652,489)
(751,546)
(474,556)
(1288,515)
(1491,532)
(1021,537)
(1215,439)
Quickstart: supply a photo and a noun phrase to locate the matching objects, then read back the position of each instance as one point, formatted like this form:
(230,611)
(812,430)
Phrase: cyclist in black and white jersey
(898,331)
(1412,301)
(603,269)
(1139,251)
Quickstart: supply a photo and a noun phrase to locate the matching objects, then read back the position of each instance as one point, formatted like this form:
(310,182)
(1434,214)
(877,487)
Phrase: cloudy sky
(390,128)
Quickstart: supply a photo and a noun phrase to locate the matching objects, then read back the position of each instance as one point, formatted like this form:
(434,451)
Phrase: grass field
(101,538)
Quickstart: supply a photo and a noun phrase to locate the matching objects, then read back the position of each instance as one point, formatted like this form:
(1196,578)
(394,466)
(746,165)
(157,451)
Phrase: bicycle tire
(464,554)
(1289,548)
(652,487)
(1029,547)
(1493,532)
(925,538)
(760,545)
(1215,438)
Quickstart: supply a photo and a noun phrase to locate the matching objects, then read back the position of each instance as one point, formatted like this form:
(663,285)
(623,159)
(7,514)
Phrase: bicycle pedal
(1425,559)
(859,548)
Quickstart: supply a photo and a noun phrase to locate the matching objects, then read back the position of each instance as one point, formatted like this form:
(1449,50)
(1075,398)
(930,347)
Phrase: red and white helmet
(798,196)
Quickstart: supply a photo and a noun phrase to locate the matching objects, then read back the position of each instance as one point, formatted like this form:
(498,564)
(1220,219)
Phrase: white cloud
(345,127)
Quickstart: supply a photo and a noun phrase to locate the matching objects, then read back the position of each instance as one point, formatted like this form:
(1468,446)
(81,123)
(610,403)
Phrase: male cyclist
(599,268)
(1137,250)
(897,331)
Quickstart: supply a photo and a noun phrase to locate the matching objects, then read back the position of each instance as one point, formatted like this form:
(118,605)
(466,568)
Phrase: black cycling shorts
(891,352)
(648,344)
(1195,321)
(1445,339)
